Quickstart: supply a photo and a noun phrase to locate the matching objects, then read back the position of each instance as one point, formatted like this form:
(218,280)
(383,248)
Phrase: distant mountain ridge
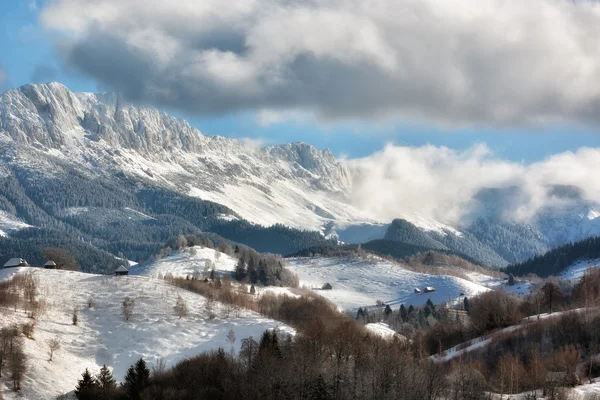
(75,161)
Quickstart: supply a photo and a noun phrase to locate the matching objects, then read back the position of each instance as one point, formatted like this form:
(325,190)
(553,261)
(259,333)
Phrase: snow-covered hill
(103,337)
(191,261)
(576,271)
(361,282)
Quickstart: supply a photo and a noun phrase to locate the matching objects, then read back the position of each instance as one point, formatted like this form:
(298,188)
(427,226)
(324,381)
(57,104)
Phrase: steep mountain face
(47,128)
(87,164)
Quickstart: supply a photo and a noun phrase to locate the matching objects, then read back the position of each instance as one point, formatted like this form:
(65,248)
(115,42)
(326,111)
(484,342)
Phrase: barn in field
(15,262)
(50,265)
(121,271)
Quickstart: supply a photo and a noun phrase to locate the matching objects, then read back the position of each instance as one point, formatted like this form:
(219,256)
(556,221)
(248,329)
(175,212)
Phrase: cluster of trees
(266,269)
(19,292)
(103,385)
(557,260)
(13,361)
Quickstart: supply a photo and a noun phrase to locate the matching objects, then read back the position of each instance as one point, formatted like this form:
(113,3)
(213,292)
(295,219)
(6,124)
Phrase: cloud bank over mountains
(449,62)
(444,184)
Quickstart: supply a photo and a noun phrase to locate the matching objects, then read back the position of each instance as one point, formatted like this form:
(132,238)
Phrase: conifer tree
(87,386)
(136,380)
(105,379)
(403,313)
(387,310)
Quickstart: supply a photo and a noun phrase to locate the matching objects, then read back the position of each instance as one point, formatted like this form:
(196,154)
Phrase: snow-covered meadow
(103,337)
(358,282)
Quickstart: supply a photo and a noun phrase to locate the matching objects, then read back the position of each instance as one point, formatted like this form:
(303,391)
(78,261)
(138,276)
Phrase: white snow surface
(102,337)
(10,224)
(576,271)
(383,330)
(189,261)
(359,282)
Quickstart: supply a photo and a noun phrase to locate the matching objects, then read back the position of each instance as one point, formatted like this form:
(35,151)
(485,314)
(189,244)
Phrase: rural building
(429,289)
(121,271)
(50,265)
(16,262)
(327,286)
(417,290)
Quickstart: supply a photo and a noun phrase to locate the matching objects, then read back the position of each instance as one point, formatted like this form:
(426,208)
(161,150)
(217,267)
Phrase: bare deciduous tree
(180,307)
(53,346)
(17,365)
(127,308)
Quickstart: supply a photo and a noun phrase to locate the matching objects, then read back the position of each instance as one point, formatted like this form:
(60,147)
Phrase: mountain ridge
(124,154)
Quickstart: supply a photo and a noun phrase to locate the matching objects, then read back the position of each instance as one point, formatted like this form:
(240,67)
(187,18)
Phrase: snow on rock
(102,337)
(190,261)
(361,282)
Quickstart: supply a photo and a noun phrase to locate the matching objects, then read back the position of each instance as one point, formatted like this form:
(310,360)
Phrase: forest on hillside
(555,261)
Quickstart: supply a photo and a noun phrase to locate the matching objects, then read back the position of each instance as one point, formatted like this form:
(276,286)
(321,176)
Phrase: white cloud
(254,143)
(442,184)
(456,62)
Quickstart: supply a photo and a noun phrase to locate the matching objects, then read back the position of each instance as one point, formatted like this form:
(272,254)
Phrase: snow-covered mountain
(47,126)
(109,151)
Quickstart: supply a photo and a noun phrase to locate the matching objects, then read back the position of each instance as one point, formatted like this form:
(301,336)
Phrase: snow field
(103,337)
(361,282)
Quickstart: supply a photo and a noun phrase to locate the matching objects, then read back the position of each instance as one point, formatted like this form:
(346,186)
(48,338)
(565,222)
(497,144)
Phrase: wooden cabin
(417,290)
(16,262)
(50,265)
(429,289)
(121,271)
(327,286)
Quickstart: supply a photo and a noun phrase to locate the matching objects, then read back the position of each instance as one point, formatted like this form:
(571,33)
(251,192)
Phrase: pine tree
(253,270)
(387,311)
(360,314)
(403,313)
(87,386)
(467,304)
(262,272)
(136,380)
(105,379)
(240,270)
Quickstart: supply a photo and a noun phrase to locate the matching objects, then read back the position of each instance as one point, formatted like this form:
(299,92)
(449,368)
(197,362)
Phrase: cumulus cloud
(450,62)
(446,185)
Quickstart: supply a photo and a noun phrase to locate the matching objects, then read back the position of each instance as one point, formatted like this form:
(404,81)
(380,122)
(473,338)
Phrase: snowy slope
(9,224)
(189,261)
(576,271)
(361,282)
(102,337)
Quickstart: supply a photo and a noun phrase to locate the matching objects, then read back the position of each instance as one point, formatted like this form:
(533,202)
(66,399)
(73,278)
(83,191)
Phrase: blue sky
(26,47)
